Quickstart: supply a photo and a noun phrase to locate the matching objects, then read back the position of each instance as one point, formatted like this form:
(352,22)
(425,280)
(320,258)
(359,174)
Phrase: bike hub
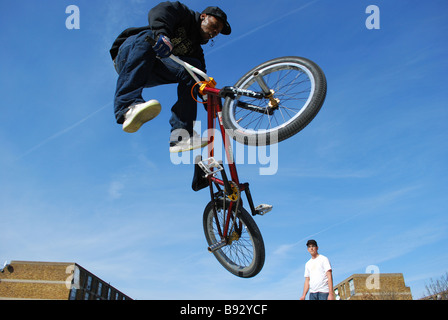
(234,237)
(273,102)
(269,93)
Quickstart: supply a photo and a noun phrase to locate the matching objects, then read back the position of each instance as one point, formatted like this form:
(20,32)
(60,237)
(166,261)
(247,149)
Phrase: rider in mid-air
(177,30)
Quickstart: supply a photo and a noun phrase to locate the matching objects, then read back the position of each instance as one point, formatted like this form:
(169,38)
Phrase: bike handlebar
(191,69)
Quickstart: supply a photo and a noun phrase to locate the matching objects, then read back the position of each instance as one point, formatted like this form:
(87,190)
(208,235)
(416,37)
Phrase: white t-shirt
(316,270)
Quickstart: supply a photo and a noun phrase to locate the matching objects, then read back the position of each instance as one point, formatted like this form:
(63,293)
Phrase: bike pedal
(262,209)
(208,164)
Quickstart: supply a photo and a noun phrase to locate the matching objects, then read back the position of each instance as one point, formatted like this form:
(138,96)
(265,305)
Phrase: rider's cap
(311,242)
(218,13)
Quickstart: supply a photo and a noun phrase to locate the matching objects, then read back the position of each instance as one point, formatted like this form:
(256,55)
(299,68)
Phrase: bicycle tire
(232,257)
(290,116)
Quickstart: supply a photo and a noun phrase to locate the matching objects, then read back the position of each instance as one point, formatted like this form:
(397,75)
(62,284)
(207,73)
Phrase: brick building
(379,286)
(53,281)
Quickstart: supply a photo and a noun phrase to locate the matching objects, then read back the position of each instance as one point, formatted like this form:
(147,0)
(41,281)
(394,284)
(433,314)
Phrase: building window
(72,294)
(100,289)
(351,283)
(89,283)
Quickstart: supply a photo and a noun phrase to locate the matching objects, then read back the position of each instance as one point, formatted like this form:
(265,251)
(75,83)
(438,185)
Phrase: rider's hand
(163,46)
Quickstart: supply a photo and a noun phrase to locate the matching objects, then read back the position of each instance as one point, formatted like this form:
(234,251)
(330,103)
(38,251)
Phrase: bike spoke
(239,252)
(292,87)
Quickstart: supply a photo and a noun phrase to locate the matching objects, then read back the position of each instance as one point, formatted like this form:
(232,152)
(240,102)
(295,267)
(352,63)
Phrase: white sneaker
(140,113)
(187,142)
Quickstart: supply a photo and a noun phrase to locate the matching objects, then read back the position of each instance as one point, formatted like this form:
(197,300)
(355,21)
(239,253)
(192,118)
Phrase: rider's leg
(134,63)
(184,111)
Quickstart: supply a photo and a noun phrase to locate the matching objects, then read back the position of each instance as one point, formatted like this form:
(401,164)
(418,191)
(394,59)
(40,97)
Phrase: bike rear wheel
(245,255)
(298,88)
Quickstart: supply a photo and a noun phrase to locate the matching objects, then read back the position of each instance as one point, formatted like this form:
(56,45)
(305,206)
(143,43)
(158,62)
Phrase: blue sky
(367,178)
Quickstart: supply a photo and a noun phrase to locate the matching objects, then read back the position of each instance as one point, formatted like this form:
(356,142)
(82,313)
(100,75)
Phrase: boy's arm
(329,274)
(306,287)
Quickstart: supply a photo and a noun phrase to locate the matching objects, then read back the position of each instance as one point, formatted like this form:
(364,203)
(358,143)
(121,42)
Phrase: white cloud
(115,189)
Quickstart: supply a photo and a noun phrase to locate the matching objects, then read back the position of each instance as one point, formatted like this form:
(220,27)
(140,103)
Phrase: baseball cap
(311,242)
(218,13)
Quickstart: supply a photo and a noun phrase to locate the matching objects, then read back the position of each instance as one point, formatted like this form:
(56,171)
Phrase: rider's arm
(166,16)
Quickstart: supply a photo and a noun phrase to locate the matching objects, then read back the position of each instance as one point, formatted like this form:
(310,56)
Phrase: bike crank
(235,195)
(235,236)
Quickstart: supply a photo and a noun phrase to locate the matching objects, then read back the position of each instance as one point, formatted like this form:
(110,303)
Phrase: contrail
(262,26)
(60,133)
(287,247)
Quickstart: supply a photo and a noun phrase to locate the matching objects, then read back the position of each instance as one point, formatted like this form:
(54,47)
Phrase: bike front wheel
(297,89)
(244,254)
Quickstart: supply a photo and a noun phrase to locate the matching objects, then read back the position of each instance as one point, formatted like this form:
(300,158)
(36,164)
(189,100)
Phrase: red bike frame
(214,110)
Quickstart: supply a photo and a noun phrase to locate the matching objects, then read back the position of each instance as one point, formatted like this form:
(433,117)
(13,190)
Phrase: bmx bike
(270,103)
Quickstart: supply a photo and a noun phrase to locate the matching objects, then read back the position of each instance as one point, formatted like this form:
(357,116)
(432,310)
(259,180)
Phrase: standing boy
(318,275)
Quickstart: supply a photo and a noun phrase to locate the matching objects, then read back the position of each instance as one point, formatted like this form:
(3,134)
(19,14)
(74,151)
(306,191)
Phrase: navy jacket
(176,21)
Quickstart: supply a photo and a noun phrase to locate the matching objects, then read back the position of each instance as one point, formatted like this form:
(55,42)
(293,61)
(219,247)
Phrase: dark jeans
(318,295)
(138,68)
